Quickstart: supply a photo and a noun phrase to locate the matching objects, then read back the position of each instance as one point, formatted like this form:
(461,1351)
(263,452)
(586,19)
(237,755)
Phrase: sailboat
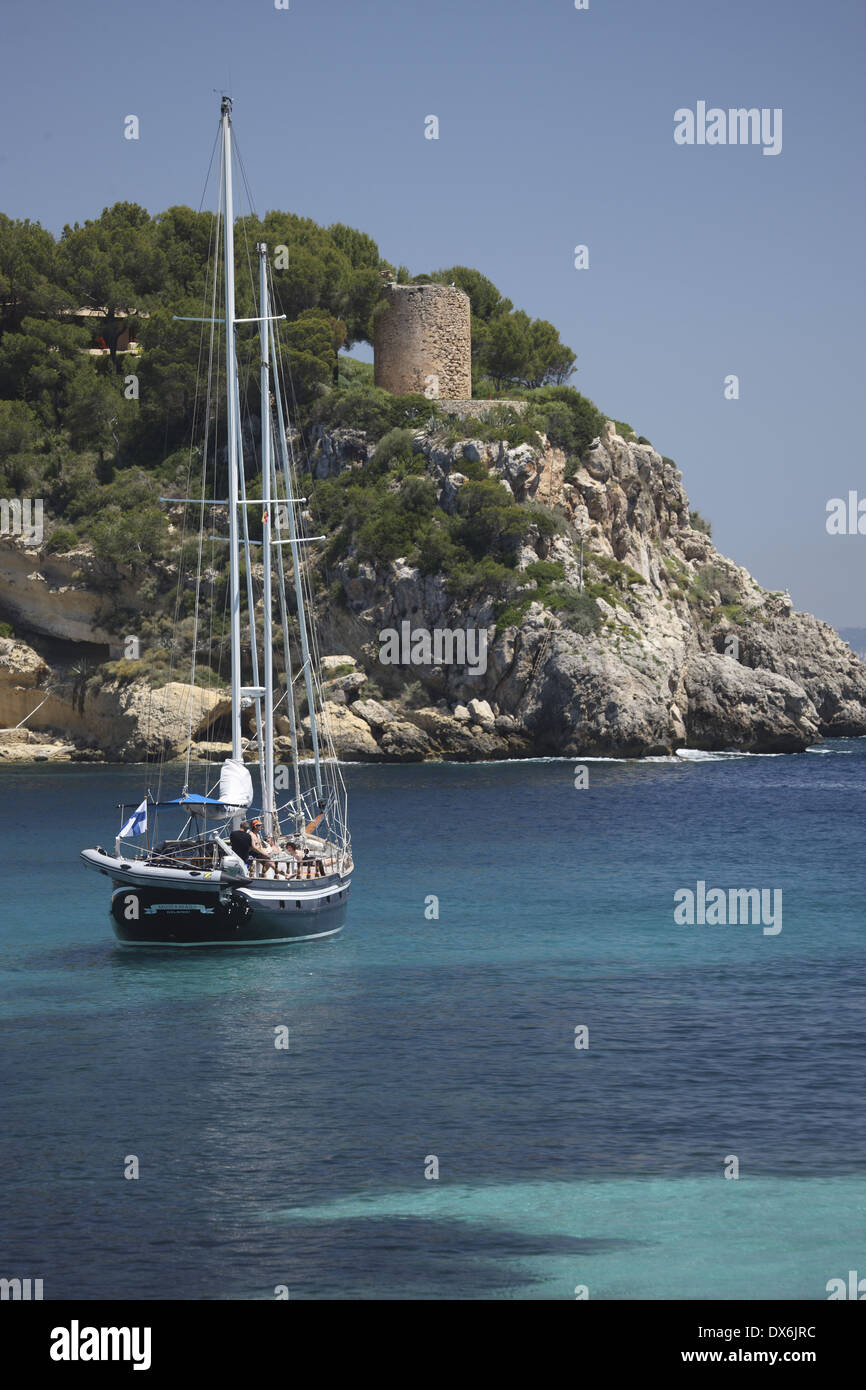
(212,884)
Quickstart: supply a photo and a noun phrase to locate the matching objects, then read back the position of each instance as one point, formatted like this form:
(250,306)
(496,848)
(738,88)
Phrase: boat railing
(316,867)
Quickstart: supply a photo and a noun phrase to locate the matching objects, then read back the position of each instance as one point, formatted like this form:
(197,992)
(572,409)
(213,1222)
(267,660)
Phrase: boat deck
(185,854)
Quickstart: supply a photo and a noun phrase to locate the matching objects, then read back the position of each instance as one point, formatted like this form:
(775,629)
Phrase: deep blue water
(453,1038)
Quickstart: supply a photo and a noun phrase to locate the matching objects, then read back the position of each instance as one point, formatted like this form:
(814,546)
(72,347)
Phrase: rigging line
(289,693)
(299,591)
(181,567)
(210,167)
(333,775)
(243,173)
(307,583)
(180,578)
(201,524)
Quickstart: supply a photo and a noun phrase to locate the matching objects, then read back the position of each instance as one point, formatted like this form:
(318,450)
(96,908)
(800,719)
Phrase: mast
(233,413)
(299,592)
(254,691)
(268,769)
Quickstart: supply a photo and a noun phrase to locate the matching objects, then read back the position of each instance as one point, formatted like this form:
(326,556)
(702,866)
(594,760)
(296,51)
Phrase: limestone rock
(347,686)
(331,665)
(375,714)
(482,713)
(24,752)
(351,735)
(731,706)
(60,595)
(403,742)
(20,665)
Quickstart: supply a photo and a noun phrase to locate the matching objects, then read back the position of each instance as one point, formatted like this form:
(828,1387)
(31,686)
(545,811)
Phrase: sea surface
(419,1040)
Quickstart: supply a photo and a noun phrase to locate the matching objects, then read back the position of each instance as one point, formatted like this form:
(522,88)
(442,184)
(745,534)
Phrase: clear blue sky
(556,128)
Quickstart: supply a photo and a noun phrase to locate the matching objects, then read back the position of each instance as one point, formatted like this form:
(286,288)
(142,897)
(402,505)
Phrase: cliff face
(688,650)
(675,662)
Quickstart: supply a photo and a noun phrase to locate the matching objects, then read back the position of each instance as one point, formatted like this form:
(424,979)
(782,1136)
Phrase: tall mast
(253,691)
(299,592)
(233,412)
(268,770)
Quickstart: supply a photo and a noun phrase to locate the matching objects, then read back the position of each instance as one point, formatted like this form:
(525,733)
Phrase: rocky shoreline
(685,648)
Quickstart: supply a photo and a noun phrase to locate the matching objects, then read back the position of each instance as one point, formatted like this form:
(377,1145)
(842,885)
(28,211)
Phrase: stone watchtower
(423,342)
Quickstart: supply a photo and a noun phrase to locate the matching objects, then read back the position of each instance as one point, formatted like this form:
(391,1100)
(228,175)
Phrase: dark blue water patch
(415,1256)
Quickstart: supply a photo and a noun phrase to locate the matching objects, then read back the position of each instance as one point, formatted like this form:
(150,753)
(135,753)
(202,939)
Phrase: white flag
(137,823)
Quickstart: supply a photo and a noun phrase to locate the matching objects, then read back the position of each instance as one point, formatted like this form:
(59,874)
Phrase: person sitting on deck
(245,847)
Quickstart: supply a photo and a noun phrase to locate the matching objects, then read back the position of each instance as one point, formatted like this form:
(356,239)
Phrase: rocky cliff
(674,645)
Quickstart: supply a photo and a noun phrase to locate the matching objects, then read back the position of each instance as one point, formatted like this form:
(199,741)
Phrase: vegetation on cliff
(98,403)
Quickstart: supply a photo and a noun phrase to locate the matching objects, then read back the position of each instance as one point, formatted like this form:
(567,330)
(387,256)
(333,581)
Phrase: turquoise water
(453,1038)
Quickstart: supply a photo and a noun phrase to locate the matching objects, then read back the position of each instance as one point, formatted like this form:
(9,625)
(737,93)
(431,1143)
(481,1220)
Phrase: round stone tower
(423,342)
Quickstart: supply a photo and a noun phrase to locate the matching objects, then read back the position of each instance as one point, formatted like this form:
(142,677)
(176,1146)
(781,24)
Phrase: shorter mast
(290,682)
(253,692)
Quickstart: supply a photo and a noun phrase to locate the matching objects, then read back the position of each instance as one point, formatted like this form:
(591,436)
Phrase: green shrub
(545,571)
(62,538)
(395,521)
(579,611)
(486,576)
(476,472)
(490,522)
(393,448)
(600,589)
(548,520)
(699,523)
(509,614)
(617,572)
(570,421)
(361,407)
(712,579)
(6,630)
(735,613)
(411,411)
(437,552)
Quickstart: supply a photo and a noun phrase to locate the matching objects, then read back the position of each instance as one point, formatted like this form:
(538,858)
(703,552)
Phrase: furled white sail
(236,785)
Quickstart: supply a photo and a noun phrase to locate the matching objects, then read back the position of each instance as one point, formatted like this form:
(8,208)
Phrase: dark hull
(151,916)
